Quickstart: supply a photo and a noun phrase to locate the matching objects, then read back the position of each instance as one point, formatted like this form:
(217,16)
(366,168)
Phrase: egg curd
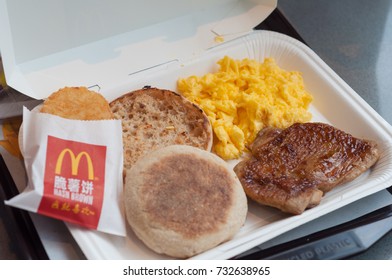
(243,97)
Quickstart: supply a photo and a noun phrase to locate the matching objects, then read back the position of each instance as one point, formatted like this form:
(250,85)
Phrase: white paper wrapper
(74,171)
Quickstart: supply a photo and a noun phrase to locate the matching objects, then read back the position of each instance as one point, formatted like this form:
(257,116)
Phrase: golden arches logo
(75,163)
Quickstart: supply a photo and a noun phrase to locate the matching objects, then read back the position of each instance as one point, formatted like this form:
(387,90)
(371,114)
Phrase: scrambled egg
(243,97)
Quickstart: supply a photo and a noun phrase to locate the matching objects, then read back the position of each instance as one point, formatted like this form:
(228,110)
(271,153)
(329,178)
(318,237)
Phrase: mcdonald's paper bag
(74,171)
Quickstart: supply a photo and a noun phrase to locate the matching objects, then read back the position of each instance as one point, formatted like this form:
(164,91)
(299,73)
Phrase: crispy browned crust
(78,103)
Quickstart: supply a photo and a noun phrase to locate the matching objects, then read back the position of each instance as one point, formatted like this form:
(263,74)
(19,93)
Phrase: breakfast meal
(180,195)
(181,200)
(291,169)
(78,103)
(153,118)
(244,96)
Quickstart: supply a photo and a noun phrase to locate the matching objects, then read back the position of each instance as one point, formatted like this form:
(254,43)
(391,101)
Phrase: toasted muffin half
(153,118)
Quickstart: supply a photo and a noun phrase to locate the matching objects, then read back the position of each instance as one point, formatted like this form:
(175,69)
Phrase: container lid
(49,44)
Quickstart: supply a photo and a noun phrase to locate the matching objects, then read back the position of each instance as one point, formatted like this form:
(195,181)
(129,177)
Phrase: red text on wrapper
(74,181)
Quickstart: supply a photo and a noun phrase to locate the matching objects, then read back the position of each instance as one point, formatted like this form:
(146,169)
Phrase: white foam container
(334,102)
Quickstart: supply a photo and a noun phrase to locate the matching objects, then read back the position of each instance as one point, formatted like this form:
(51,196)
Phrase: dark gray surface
(12,102)
(7,251)
(354,37)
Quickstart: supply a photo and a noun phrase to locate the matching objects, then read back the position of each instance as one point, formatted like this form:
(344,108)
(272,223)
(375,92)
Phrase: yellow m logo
(75,163)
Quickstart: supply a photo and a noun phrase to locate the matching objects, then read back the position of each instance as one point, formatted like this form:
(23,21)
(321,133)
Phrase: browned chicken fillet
(291,169)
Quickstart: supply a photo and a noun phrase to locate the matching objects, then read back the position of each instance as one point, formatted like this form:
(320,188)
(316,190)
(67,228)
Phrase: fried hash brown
(78,103)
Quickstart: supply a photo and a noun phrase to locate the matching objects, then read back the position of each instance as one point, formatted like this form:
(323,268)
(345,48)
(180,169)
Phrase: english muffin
(153,118)
(181,200)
